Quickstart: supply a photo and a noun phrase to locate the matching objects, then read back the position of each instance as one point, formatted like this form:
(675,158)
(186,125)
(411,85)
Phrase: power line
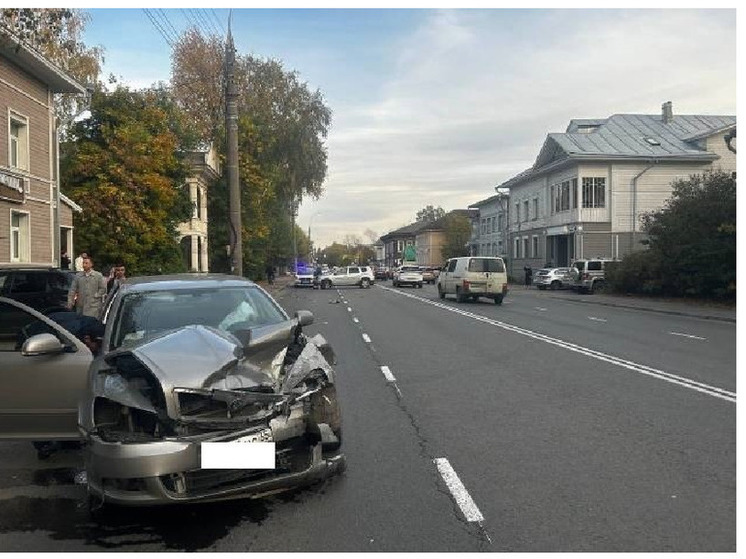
(165,18)
(208,25)
(215,15)
(158,27)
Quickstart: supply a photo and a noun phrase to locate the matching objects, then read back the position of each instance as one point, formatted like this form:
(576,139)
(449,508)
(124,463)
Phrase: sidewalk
(698,309)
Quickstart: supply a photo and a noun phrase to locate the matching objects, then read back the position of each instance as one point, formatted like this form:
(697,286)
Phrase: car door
(39,394)
(449,285)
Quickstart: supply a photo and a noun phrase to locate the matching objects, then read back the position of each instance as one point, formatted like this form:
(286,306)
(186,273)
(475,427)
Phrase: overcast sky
(437,107)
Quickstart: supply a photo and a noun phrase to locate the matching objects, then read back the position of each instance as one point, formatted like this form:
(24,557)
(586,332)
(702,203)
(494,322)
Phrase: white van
(472,277)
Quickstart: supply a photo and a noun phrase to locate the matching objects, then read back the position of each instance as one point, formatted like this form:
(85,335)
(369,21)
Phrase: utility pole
(231,125)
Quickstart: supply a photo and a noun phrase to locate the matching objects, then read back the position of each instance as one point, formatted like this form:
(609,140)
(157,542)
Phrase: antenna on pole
(231,126)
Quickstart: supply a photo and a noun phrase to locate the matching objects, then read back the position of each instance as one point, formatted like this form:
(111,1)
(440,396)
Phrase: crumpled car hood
(202,357)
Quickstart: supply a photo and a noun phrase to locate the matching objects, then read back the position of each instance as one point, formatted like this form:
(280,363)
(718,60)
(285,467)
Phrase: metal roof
(30,60)
(628,136)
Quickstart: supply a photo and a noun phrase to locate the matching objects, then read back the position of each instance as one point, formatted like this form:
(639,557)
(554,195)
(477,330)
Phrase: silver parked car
(189,364)
(553,278)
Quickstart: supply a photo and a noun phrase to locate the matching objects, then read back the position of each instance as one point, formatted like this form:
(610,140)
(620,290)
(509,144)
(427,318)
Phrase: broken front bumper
(168,471)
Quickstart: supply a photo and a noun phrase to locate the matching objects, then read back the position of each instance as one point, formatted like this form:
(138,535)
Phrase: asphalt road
(570,427)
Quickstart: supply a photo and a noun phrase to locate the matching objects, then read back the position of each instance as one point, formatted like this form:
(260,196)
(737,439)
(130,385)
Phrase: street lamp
(310,244)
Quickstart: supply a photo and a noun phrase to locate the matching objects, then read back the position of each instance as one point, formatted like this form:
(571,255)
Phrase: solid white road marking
(387,373)
(355,320)
(596,319)
(460,494)
(687,336)
(366,337)
(714,391)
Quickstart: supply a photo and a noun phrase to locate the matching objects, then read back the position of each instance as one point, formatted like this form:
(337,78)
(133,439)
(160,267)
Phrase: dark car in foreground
(204,390)
(43,289)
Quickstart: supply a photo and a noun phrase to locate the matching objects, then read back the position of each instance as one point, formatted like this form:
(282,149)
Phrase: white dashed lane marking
(460,494)
(387,373)
(366,337)
(349,309)
(355,320)
(693,337)
(540,308)
(596,319)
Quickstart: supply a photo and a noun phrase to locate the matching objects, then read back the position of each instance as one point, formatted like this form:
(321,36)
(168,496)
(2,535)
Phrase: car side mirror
(42,344)
(305,318)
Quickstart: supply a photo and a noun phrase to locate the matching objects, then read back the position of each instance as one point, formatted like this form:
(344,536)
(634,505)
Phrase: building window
(19,237)
(18,142)
(525,247)
(534,247)
(517,212)
(561,195)
(516,248)
(500,222)
(574,192)
(594,192)
(536,209)
(525,210)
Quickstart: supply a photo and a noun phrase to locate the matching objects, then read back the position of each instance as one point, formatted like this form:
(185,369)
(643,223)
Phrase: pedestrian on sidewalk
(88,290)
(528,273)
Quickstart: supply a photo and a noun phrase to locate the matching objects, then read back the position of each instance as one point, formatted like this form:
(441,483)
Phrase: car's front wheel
(498,299)
(326,284)
(365,284)
(555,285)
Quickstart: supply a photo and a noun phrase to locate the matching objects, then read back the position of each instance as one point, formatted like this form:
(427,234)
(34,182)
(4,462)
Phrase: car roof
(184,281)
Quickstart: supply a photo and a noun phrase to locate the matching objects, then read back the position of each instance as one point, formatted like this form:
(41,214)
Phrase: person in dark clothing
(316,276)
(118,277)
(528,273)
(270,271)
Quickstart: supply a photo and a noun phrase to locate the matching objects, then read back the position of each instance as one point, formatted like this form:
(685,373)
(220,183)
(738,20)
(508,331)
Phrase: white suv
(408,275)
(361,276)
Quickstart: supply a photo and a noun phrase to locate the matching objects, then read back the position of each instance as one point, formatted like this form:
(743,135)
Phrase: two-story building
(205,166)
(32,210)
(490,225)
(588,188)
(396,241)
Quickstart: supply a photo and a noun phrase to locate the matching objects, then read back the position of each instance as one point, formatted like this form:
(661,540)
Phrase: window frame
(23,150)
(23,254)
(594,192)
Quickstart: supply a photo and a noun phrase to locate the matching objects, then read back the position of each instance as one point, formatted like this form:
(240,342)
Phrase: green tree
(457,234)
(430,213)
(695,236)
(282,130)
(125,167)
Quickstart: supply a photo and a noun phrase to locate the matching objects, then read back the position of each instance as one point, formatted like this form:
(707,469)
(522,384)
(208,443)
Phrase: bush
(639,272)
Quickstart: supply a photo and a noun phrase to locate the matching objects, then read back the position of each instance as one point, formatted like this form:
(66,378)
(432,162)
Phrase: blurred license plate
(250,452)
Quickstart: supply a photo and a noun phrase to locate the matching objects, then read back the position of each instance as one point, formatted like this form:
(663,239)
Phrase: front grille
(290,456)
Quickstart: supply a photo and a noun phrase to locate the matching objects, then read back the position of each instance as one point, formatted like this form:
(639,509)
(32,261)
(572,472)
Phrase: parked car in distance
(41,288)
(382,273)
(472,277)
(589,274)
(430,274)
(361,276)
(553,278)
(408,275)
(189,364)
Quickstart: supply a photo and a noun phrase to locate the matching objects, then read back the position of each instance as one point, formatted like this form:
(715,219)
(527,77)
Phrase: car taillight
(466,284)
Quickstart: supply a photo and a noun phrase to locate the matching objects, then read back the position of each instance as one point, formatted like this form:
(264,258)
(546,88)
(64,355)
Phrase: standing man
(117,278)
(87,291)
(64,261)
(528,272)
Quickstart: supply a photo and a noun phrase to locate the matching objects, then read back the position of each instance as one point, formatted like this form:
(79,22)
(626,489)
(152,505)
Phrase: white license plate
(250,452)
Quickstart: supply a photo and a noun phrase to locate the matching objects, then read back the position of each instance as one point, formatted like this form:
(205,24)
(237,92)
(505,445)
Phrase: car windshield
(145,314)
(486,265)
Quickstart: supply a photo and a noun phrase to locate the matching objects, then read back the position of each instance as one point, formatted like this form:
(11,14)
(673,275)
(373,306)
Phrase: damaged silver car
(192,367)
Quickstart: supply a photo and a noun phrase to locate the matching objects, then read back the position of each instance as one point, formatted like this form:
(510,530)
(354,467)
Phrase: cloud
(472,94)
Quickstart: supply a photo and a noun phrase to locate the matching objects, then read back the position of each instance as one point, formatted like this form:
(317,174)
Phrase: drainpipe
(651,164)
